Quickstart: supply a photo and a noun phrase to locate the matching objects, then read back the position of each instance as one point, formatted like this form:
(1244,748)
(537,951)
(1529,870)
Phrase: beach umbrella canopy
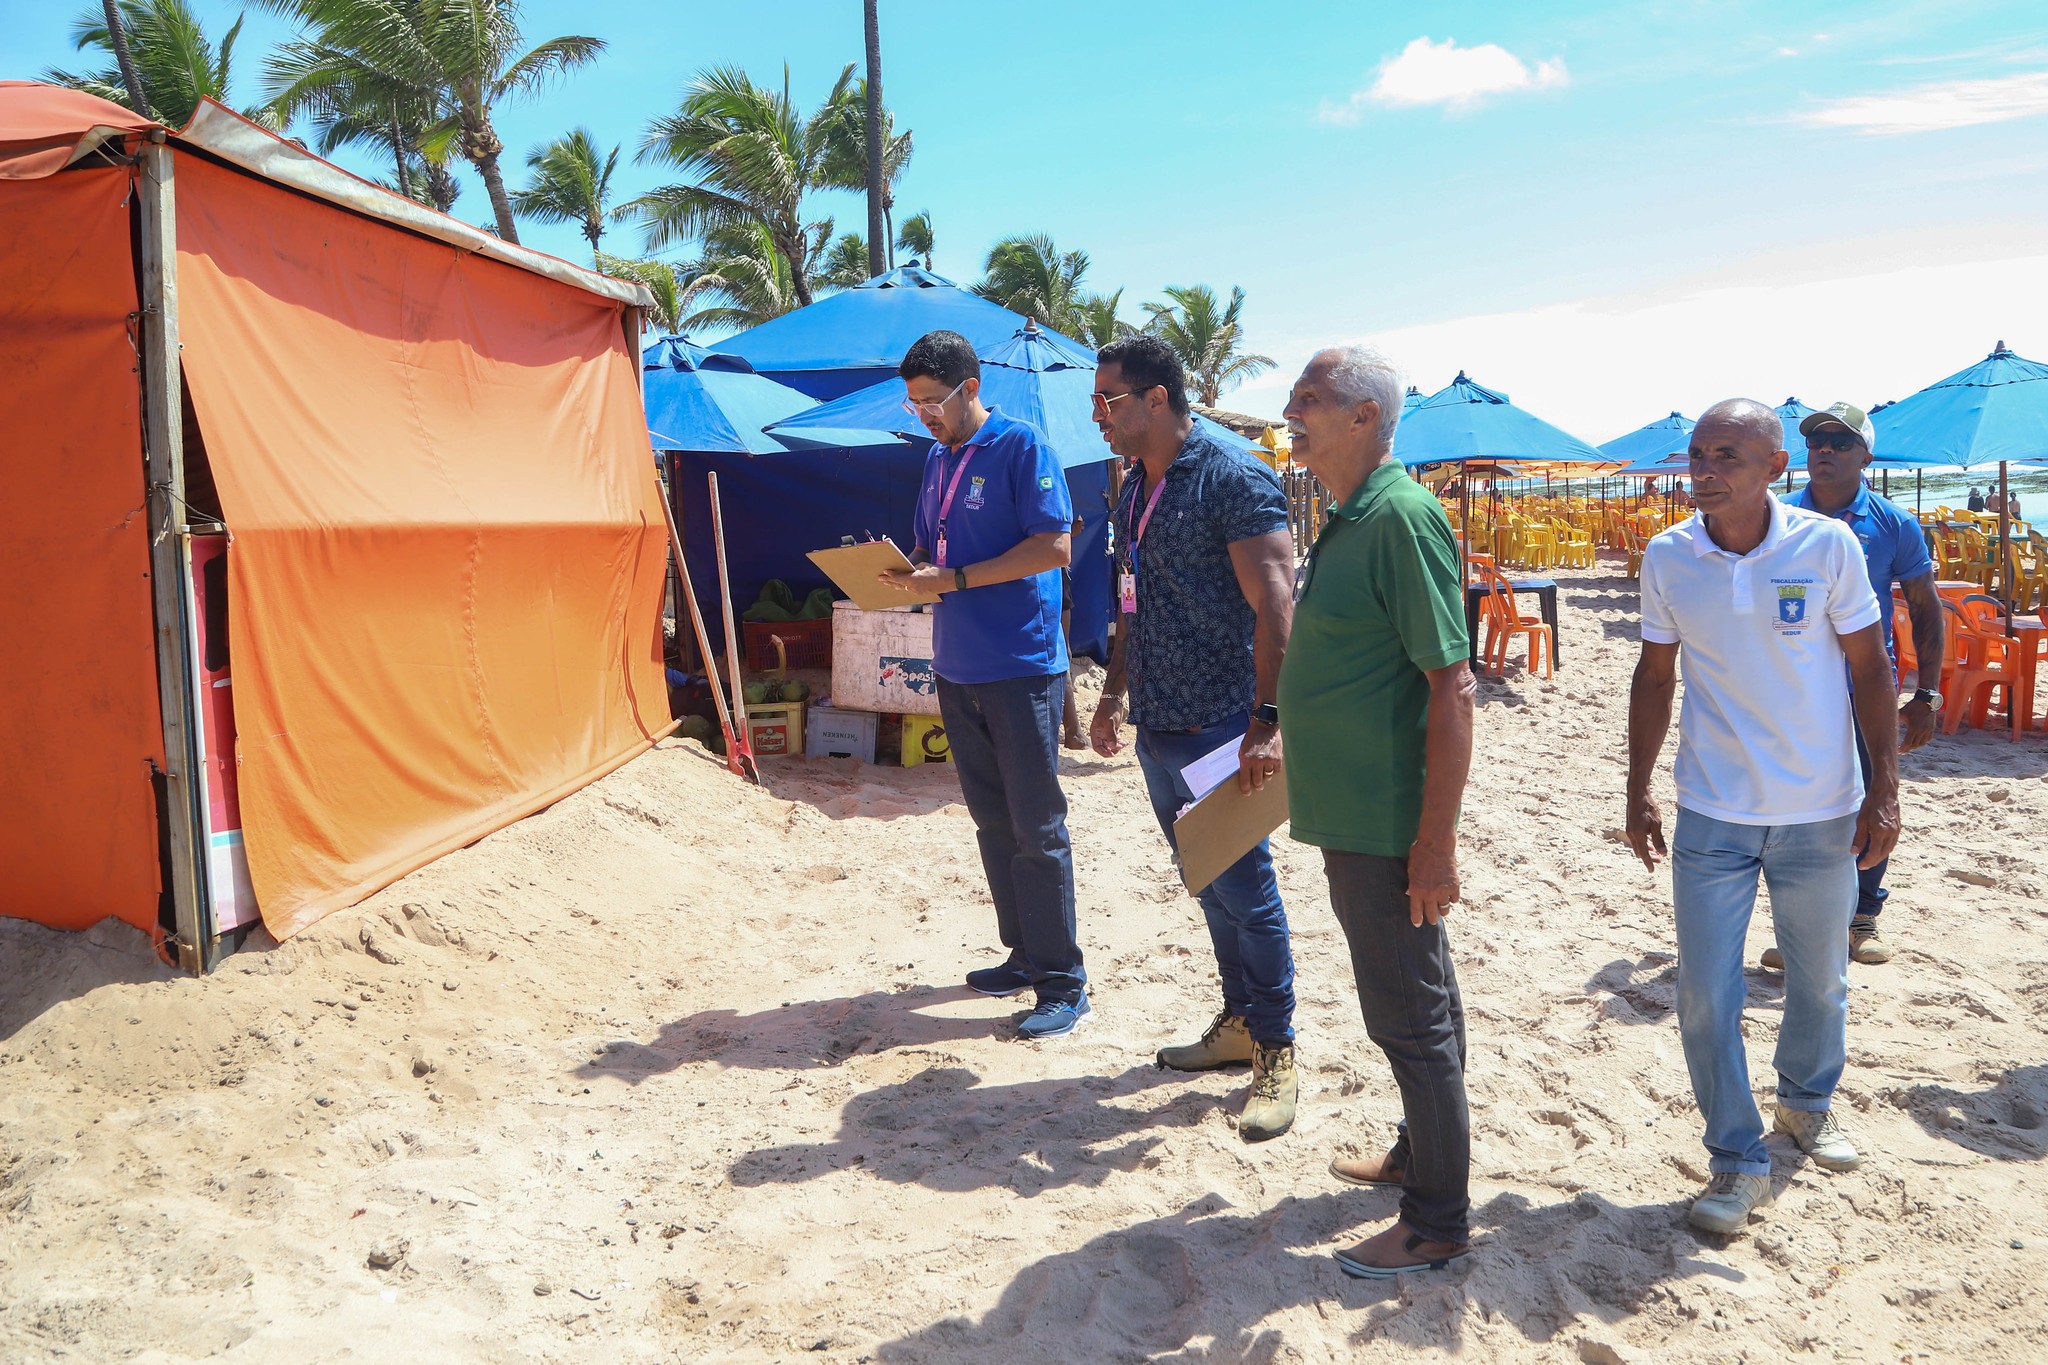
(1411,400)
(1031,375)
(700,400)
(1654,448)
(1995,410)
(849,340)
(1466,421)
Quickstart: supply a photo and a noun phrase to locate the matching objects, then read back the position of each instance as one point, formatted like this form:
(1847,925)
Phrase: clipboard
(855,568)
(1224,826)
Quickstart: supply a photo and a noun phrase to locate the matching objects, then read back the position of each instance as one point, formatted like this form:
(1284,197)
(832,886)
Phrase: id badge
(939,551)
(1128,593)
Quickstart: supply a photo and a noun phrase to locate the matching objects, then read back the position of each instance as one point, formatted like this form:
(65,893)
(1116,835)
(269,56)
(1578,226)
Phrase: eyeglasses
(1834,440)
(917,409)
(1103,400)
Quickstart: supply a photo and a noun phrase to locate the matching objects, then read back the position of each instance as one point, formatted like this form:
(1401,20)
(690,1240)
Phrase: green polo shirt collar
(1368,495)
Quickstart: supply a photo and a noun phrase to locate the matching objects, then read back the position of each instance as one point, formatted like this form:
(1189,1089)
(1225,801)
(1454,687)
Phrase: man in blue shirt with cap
(1840,443)
(992,525)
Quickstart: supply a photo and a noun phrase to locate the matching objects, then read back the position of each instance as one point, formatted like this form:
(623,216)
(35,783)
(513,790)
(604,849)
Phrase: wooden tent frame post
(170,552)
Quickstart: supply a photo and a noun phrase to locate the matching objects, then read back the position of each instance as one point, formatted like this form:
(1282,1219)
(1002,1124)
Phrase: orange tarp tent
(445,552)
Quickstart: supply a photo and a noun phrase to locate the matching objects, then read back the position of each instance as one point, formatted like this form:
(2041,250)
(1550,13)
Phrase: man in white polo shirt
(1762,602)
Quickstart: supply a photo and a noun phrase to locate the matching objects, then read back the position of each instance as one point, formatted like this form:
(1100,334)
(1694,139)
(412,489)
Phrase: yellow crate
(776,729)
(924,741)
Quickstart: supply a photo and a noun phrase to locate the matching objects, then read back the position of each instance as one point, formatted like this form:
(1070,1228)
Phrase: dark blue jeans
(1870,892)
(1005,738)
(1247,922)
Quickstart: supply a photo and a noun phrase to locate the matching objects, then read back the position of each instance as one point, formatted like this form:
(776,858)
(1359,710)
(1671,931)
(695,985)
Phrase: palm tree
(571,184)
(462,52)
(755,158)
(846,153)
(1030,275)
(660,278)
(742,280)
(1099,323)
(351,103)
(176,63)
(1206,337)
(845,263)
(915,236)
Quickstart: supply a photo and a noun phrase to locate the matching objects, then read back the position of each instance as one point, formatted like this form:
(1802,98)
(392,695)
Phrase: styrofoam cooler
(882,660)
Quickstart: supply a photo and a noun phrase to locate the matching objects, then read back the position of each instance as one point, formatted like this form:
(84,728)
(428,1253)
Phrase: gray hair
(1360,374)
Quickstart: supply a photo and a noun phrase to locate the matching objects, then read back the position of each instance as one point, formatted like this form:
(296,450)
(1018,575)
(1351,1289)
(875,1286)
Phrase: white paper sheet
(1206,773)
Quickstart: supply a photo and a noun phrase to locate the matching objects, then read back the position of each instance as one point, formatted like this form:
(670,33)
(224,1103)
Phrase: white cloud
(1600,367)
(1942,104)
(1443,73)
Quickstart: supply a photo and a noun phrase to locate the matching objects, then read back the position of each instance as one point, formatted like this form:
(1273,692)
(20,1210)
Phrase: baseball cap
(1843,414)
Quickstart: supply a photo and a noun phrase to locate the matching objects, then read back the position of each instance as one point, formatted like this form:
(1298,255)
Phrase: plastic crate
(807,644)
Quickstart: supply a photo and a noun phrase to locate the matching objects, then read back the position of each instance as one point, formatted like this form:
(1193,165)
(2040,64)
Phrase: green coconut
(756,693)
(795,690)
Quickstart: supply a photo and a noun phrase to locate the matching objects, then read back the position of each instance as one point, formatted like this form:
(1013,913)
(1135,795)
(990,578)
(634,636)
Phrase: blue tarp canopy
(1465,421)
(854,338)
(703,400)
(1995,410)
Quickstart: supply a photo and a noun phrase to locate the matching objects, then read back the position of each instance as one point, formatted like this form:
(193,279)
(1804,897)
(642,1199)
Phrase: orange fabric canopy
(44,128)
(447,554)
(80,728)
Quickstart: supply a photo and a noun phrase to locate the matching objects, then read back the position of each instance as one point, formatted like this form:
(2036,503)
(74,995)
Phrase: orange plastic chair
(1908,662)
(1984,663)
(1504,622)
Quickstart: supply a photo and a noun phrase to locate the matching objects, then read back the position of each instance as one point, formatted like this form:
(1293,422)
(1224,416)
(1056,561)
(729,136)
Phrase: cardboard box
(838,732)
(924,741)
(882,661)
(776,729)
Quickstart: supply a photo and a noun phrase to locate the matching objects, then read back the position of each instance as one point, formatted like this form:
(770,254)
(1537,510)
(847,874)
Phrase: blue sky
(1608,210)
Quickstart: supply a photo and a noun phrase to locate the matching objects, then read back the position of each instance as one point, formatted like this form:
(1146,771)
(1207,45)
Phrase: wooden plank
(170,553)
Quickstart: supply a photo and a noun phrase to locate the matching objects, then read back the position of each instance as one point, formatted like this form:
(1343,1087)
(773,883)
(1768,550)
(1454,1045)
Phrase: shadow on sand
(1150,1291)
(2008,1122)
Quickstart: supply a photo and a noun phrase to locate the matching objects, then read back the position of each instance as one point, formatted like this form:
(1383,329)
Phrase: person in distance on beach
(992,523)
(1207,594)
(1766,602)
(1376,712)
(1976,500)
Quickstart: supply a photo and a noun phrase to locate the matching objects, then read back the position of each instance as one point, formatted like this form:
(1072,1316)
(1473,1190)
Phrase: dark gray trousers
(1408,993)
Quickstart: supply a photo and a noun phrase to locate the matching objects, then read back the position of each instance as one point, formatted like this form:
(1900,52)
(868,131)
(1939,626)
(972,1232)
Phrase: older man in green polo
(1376,721)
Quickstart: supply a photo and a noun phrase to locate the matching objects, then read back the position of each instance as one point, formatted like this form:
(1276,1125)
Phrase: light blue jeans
(1811,872)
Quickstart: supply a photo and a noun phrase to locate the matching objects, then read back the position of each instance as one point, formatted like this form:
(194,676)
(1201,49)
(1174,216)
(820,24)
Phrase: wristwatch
(1929,696)
(960,578)
(1266,714)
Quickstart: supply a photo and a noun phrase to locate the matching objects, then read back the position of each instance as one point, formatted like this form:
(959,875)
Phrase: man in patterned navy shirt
(1207,585)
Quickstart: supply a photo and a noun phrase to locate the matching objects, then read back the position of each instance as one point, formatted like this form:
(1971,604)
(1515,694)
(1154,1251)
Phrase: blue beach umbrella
(1997,410)
(849,340)
(703,401)
(1654,448)
(1465,421)
(1033,375)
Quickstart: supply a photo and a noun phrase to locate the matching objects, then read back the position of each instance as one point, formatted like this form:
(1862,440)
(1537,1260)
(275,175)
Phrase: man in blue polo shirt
(992,523)
(1840,442)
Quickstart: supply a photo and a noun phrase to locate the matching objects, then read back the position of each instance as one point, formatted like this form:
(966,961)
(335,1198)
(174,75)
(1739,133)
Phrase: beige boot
(1227,1043)
(1269,1109)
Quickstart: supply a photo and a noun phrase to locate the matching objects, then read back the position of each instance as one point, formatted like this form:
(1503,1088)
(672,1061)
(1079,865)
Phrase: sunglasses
(917,409)
(1103,400)
(1834,440)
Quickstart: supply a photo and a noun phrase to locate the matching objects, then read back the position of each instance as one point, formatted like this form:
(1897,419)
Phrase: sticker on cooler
(915,675)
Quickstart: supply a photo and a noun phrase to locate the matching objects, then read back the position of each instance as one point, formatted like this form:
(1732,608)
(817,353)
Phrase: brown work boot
(1399,1250)
(1864,944)
(1227,1043)
(1269,1109)
(1369,1170)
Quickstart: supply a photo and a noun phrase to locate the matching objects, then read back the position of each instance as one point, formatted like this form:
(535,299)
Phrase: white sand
(677,1071)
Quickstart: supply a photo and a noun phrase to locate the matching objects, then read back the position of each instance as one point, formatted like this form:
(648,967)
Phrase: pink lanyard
(1138,536)
(946,503)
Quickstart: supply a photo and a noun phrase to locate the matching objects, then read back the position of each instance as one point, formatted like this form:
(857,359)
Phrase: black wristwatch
(1266,714)
(1928,695)
(960,578)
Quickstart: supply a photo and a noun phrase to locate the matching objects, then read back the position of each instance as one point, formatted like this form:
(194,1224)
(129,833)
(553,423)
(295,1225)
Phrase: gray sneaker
(1864,944)
(1729,1200)
(1819,1136)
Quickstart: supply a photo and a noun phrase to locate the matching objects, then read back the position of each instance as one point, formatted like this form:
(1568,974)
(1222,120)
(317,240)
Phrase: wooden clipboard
(855,569)
(1224,826)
